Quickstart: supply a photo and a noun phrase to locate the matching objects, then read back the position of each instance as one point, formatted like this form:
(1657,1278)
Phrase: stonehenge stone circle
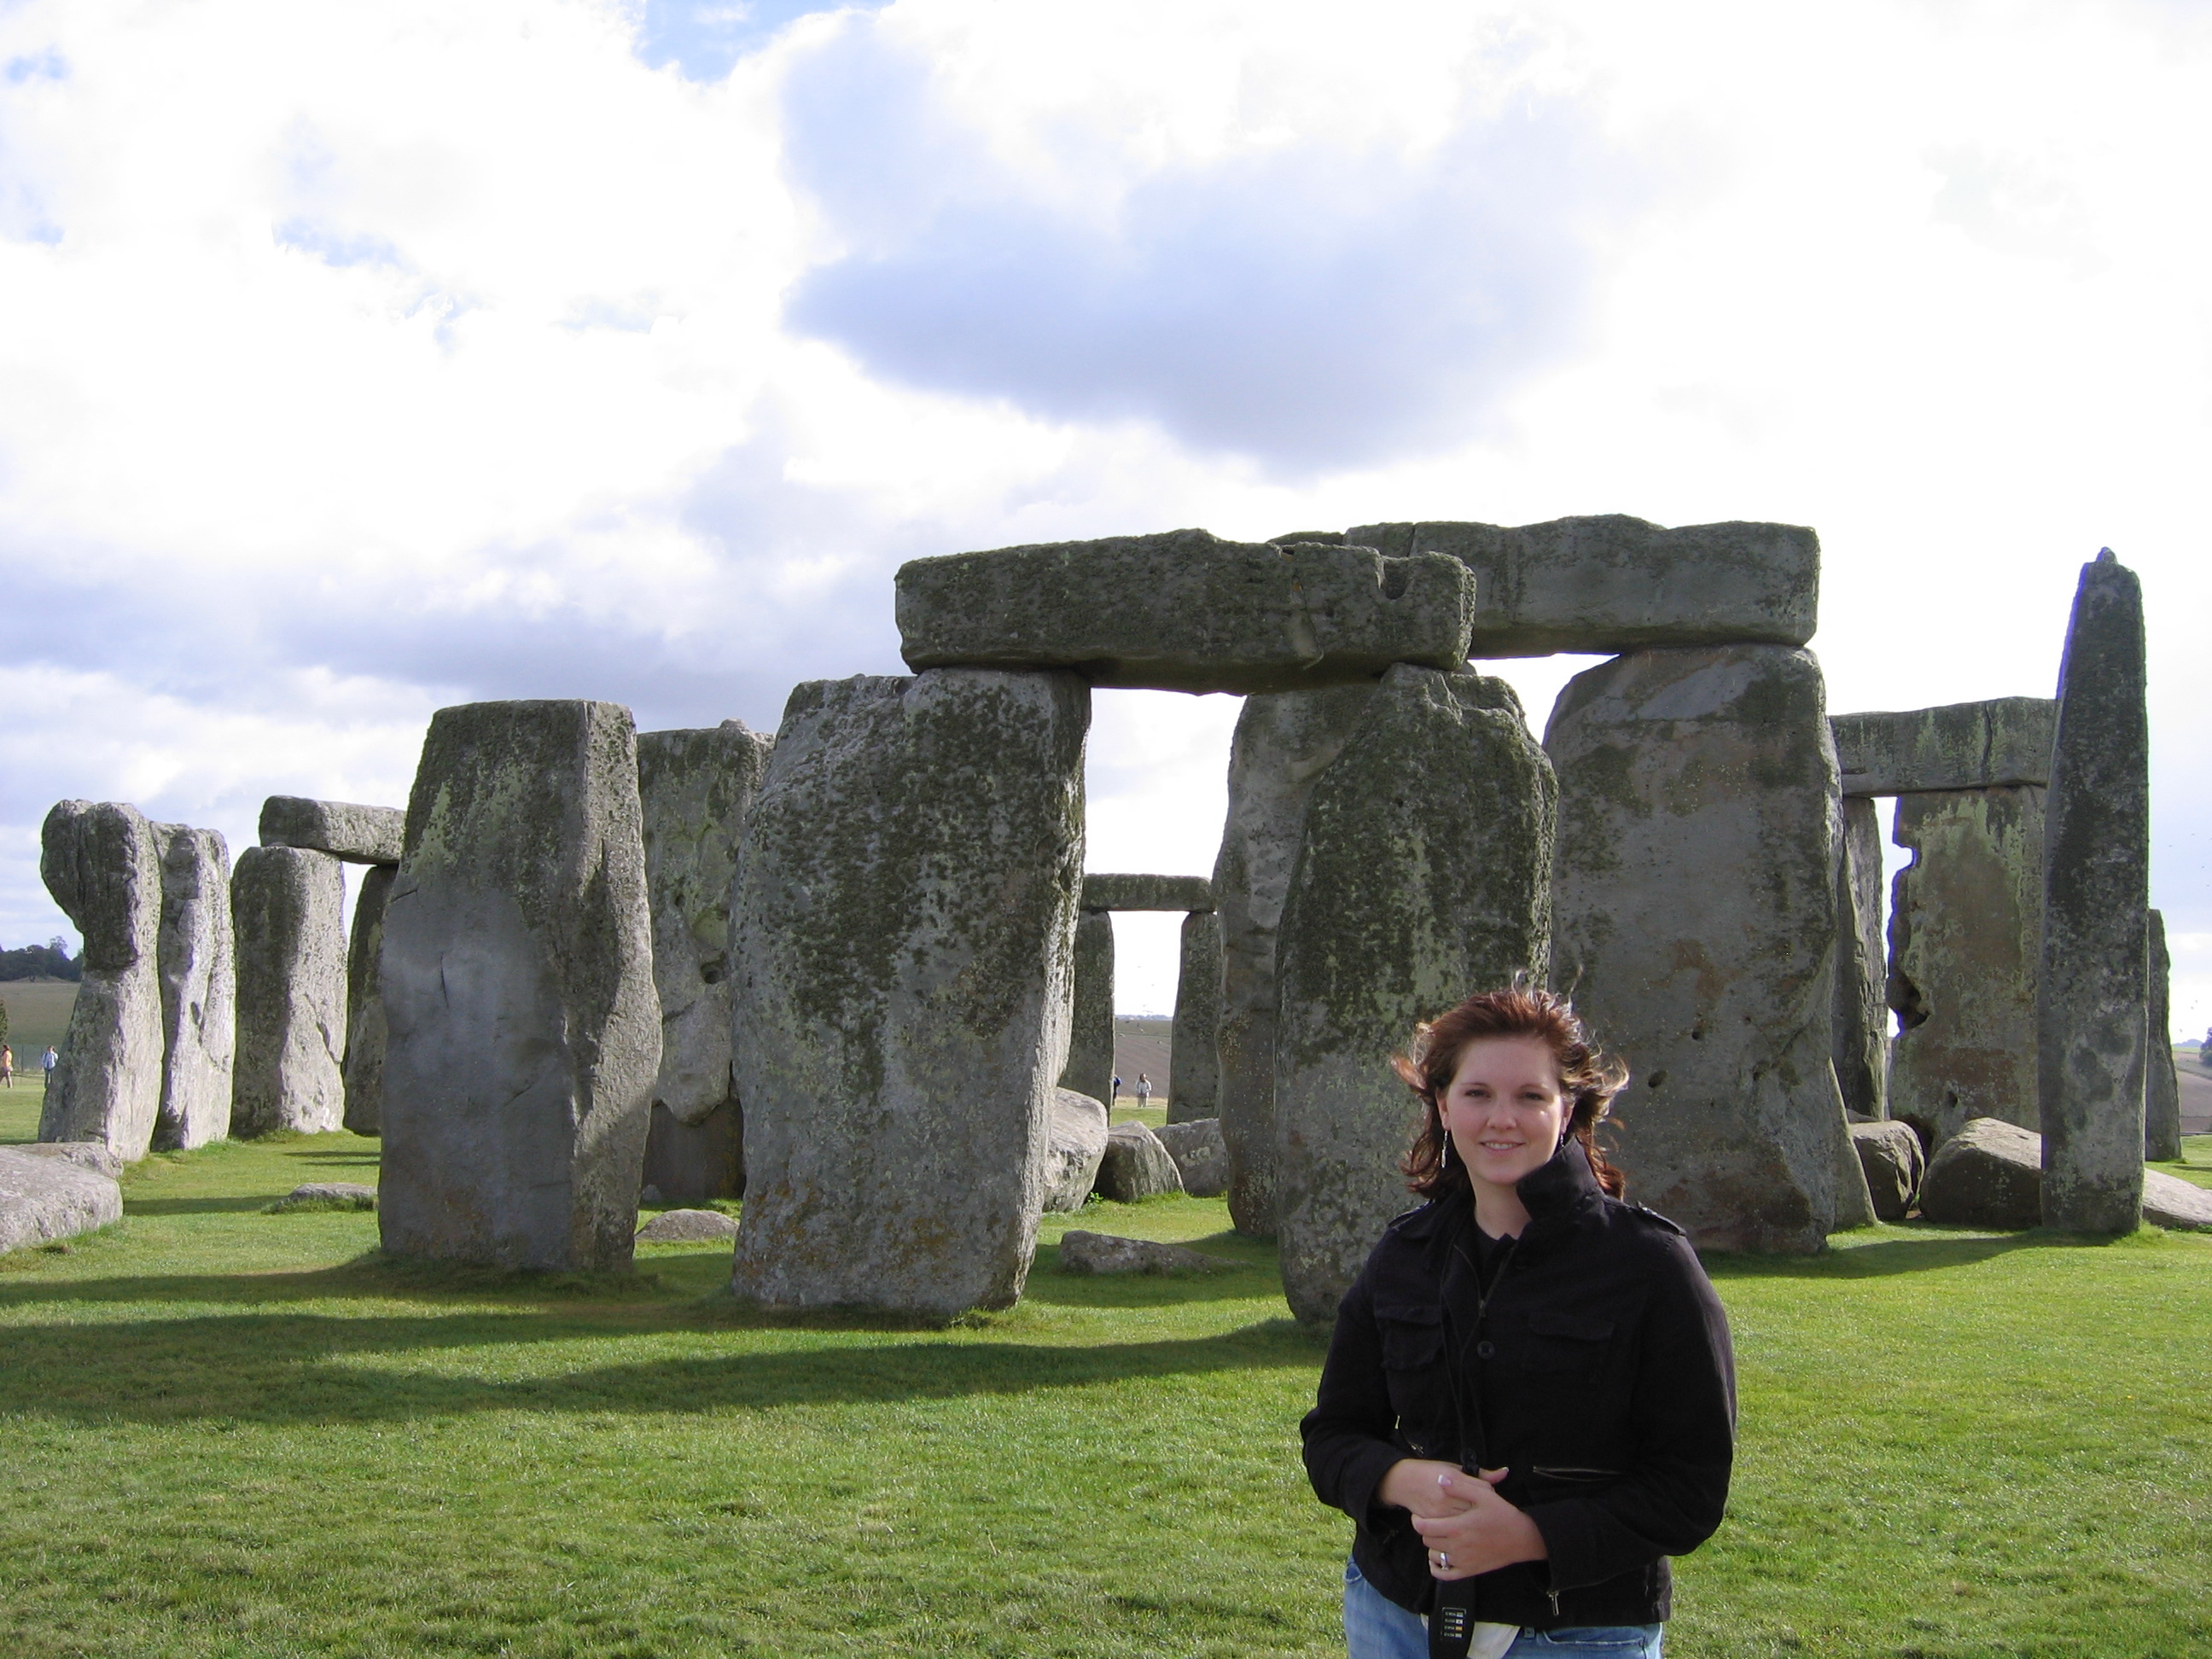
(2091,1000)
(288,911)
(1694,922)
(363,1070)
(1186,611)
(1090,1069)
(1861,1019)
(523,1030)
(1423,874)
(44,1199)
(1961,745)
(2161,1081)
(901,944)
(359,835)
(1075,1144)
(1120,892)
(102,863)
(1136,1165)
(696,787)
(195,959)
(1965,932)
(1613,583)
(1193,1064)
(1283,744)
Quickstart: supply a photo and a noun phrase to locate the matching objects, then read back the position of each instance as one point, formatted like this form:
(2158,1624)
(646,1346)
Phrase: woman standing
(1529,1401)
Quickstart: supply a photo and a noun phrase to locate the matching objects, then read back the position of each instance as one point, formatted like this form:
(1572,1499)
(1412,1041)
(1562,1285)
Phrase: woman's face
(1504,1108)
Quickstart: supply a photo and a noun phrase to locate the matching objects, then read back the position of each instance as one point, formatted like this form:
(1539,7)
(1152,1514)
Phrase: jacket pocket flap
(1408,1313)
(1580,1327)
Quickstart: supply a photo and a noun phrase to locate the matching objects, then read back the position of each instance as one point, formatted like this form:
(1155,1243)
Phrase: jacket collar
(1556,1195)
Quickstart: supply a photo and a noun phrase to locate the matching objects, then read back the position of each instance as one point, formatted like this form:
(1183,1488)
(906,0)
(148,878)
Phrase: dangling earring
(1444,1129)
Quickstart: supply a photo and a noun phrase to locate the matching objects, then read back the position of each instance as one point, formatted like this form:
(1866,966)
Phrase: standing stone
(1862,1054)
(1283,745)
(2161,1082)
(523,1035)
(696,789)
(102,863)
(1193,1065)
(1966,933)
(366,1027)
(2090,999)
(1424,875)
(901,943)
(1091,1031)
(287,909)
(199,988)
(1694,921)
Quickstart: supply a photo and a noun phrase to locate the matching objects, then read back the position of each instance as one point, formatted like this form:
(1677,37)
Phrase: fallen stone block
(1135,1166)
(359,835)
(1891,1156)
(46,1199)
(688,1227)
(91,1155)
(1073,1150)
(1614,583)
(325,1195)
(2004,742)
(1125,892)
(1989,1174)
(2170,1201)
(1201,1157)
(288,913)
(1186,611)
(1083,1252)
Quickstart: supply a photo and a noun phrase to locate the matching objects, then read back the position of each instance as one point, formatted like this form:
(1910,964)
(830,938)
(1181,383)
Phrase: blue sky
(372,359)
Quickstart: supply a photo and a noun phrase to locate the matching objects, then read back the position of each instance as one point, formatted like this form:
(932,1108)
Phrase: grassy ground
(232,1433)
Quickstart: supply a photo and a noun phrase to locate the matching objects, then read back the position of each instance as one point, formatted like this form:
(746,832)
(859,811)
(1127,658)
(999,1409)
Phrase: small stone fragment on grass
(1102,1253)
(688,1227)
(1135,1166)
(44,1199)
(325,1195)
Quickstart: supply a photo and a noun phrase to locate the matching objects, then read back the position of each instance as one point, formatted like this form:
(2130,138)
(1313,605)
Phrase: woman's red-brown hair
(1589,1078)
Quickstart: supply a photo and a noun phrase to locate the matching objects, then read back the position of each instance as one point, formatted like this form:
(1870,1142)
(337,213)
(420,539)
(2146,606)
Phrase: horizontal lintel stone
(359,835)
(1120,892)
(1958,745)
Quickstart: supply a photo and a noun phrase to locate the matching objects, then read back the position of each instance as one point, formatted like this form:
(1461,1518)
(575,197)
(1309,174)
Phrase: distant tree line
(47,960)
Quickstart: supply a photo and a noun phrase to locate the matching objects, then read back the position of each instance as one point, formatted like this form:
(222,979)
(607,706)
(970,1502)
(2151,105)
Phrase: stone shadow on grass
(1921,1248)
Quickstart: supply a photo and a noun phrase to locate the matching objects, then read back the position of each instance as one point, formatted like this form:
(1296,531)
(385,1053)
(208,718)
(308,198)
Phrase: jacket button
(1485,1350)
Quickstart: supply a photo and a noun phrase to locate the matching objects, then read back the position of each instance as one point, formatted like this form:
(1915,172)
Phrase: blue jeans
(1376,1627)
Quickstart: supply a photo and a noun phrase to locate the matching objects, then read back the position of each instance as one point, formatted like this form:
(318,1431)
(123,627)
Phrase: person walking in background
(50,1059)
(1117,1089)
(7,1066)
(1143,1090)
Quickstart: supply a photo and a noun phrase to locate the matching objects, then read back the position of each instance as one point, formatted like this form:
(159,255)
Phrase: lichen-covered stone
(2161,1080)
(1989,1174)
(1861,1027)
(1185,612)
(1960,745)
(1073,1150)
(1201,1158)
(288,911)
(1695,919)
(695,1163)
(1126,892)
(1193,1058)
(523,1031)
(2091,996)
(359,835)
(45,1200)
(1893,1162)
(1091,1020)
(1424,874)
(1284,744)
(688,1227)
(362,1069)
(1615,583)
(102,864)
(1136,1166)
(902,943)
(1082,1252)
(1966,935)
(199,988)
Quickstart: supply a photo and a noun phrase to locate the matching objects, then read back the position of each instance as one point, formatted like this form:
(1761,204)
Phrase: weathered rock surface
(1124,892)
(1186,611)
(1695,914)
(1135,1166)
(1201,1158)
(326,1196)
(1960,745)
(362,1069)
(695,1163)
(102,864)
(688,1227)
(1090,1069)
(1861,1030)
(199,987)
(2170,1201)
(524,1034)
(905,908)
(1424,874)
(1074,1150)
(1083,1252)
(1891,1156)
(1966,935)
(2092,996)
(43,1199)
(359,835)
(92,1155)
(1989,1174)
(2161,1081)
(287,910)
(1283,745)
(1193,1055)
(1615,583)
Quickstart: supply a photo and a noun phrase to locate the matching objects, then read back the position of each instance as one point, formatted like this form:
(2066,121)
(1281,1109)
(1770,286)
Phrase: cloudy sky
(361,359)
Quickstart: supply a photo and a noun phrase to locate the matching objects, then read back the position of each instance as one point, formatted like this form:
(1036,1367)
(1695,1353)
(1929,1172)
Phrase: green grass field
(234,1433)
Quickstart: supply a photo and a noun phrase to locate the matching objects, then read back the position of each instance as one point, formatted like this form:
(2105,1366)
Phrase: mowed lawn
(225,1433)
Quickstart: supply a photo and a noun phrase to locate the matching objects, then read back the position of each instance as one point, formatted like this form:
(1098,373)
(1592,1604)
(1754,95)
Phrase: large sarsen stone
(1126,892)
(359,835)
(366,1030)
(199,988)
(1861,1030)
(102,863)
(1090,1069)
(43,1199)
(524,1034)
(901,936)
(1960,745)
(1193,1058)
(1073,1148)
(2161,1080)
(287,910)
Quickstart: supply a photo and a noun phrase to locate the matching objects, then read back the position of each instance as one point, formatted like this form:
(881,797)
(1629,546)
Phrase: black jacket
(1598,1371)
